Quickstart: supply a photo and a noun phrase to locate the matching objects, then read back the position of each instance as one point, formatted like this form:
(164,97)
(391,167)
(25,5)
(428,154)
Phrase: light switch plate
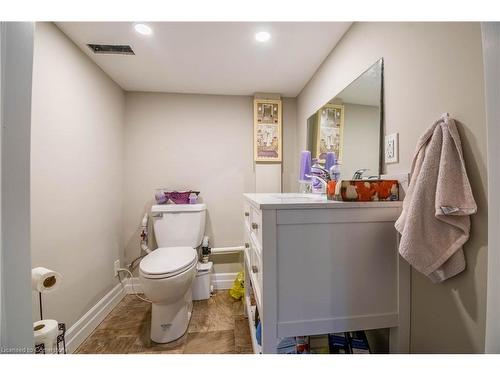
(391,148)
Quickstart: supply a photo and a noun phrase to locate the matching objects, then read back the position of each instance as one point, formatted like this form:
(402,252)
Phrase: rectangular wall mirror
(350,125)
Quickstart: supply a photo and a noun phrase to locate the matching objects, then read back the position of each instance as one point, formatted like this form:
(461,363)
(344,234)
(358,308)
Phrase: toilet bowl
(167,273)
(166,276)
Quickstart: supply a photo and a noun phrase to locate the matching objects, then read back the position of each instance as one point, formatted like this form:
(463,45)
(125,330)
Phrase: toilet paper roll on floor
(45,332)
(44,280)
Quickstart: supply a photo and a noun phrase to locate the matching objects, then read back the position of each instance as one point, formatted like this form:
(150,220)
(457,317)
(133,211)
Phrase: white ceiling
(211,58)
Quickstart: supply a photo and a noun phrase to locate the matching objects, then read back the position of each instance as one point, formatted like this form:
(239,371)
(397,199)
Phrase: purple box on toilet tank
(177,197)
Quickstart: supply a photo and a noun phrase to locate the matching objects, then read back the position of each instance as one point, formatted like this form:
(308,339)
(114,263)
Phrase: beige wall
(94,171)
(200,142)
(361,140)
(290,163)
(76,174)
(430,68)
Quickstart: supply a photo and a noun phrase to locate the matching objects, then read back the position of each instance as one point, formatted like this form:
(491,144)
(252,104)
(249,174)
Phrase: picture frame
(330,133)
(267,130)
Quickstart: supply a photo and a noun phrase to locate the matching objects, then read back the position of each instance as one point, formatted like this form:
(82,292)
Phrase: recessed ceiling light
(262,36)
(143,29)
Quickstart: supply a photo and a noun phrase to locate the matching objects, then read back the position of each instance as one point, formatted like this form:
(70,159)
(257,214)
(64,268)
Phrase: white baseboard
(223,281)
(82,329)
(132,285)
(220,281)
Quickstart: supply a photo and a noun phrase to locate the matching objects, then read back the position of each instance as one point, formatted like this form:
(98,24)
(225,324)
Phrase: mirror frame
(381,115)
(382,119)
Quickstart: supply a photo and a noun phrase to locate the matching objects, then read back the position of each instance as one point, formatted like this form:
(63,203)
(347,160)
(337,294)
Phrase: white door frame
(17,66)
(1,122)
(491,58)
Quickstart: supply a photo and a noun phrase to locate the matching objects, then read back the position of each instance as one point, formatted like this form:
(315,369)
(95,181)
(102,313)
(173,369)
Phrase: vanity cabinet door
(247,215)
(256,265)
(257,269)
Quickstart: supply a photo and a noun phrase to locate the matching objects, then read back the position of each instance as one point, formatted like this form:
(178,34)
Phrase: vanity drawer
(246,214)
(256,226)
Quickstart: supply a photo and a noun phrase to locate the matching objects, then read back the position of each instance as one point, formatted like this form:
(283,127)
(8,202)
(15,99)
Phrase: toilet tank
(179,224)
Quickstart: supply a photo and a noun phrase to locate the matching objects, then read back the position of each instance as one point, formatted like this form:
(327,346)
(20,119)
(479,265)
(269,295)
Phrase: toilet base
(169,322)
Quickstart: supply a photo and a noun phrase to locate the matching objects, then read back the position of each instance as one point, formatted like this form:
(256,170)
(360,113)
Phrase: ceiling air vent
(111,49)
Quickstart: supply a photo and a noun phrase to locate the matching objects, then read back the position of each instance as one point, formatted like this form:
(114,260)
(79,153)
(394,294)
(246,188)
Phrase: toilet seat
(166,262)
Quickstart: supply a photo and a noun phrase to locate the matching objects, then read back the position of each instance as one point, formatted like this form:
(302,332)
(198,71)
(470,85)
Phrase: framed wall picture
(267,130)
(330,131)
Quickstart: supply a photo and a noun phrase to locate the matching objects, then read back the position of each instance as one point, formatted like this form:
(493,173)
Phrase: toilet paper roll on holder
(48,285)
(60,341)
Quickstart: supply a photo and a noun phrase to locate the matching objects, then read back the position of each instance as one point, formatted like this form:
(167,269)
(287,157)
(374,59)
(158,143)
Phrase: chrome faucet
(321,174)
(358,175)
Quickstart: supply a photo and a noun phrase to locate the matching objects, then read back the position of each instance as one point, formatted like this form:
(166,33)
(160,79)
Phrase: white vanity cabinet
(318,266)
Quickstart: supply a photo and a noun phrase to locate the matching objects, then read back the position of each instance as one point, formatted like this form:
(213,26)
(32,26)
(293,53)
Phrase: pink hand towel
(435,222)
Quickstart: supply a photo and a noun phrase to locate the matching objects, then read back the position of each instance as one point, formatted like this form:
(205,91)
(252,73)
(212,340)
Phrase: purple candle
(330,160)
(305,166)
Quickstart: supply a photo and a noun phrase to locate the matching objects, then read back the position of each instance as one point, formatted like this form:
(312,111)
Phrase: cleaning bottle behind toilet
(193,198)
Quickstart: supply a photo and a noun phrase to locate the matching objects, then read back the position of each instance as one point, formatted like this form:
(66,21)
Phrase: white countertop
(285,201)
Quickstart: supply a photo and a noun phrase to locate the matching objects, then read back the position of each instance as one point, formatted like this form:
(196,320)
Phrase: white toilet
(167,273)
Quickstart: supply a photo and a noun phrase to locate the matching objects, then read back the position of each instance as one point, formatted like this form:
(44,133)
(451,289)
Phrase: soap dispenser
(319,178)
(334,180)
(332,166)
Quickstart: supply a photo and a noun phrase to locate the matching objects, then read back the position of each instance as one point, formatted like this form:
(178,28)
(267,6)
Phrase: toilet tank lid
(178,207)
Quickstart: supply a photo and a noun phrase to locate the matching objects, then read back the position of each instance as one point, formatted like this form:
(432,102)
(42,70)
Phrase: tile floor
(218,326)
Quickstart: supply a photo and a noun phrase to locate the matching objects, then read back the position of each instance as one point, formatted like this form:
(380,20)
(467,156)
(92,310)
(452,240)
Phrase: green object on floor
(237,291)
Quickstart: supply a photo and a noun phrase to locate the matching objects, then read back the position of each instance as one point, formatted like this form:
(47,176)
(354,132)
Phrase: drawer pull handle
(247,245)
(247,214)
(254,226)
(255,269)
